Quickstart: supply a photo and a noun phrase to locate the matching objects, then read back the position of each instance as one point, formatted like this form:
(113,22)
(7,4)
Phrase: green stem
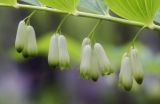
(61,23)
(28,17)
(137,34)
(82,14)
(90,35)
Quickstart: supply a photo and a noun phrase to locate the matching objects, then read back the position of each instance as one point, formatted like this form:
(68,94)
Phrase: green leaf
(66,5)
(93,6)
(8,2)
(33,2)
(137,10)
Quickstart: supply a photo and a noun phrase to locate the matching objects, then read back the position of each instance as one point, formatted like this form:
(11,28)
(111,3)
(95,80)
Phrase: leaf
(8,2)
(93,6)
(157,18)
(33,2)
(137,10)
(66,5)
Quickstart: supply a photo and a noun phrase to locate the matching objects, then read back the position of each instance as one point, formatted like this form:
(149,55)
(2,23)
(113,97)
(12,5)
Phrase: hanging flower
(30,44)
(53,54)
(85,65)
(125,76)
(136,66)
(103,60)
(64,59)
(21,36)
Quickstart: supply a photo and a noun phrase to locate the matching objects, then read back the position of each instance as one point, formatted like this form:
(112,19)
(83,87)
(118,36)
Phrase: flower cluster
(131,69)
(58,53)
(26,40)
(93,59)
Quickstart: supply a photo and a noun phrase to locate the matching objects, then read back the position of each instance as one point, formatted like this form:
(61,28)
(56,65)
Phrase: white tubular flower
(125,76)
(85,64)
(20,37)
(103,60)
(94,71)
(136,66)
(32,49)
(53,54)
(64,59)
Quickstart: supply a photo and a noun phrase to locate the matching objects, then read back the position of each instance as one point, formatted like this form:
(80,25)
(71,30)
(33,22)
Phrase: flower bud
(125,76)
(93,72)
(85,64)
(103,60)
(136,66)
(64,59)
(20,37)
(53,54)
(32,49)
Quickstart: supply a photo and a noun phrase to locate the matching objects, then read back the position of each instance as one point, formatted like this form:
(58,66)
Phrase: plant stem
(82,14)
(90,35)
(61,23)
(137,34)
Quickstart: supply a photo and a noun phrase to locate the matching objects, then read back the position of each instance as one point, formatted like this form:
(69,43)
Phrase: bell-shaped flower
(125,76)
(64,59)
(20,37)
(136,66)
(103,60)
(53,53)
(94,71)
(85,65)
(32,42)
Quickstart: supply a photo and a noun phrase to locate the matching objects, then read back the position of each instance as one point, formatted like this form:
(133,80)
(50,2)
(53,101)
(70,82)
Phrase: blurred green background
(32,81)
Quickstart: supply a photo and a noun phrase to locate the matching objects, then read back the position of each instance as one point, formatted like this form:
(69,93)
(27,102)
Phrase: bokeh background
(32,81)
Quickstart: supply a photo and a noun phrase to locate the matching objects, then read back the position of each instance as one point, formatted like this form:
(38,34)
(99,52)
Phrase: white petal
(136,66)
(85,64)
(94,71)
(53,53)
(64,59)
(103,60)
(125,76)
(20,37)
(86,41)
(32,43)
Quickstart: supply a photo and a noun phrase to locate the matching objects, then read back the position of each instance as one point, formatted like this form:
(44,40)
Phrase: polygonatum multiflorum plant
(94,60)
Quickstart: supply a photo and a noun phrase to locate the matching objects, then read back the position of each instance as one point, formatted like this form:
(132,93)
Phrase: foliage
(8,2)
(137,10)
